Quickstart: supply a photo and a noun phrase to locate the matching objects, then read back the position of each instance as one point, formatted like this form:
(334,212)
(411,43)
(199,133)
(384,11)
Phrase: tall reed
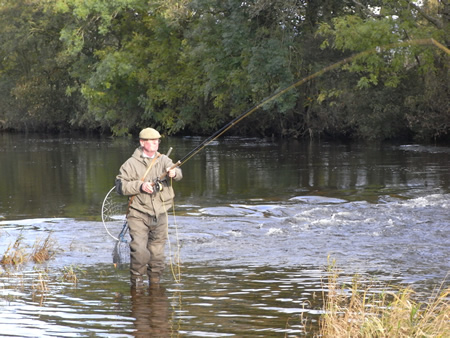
(16,253)
(362,311)
(42,250)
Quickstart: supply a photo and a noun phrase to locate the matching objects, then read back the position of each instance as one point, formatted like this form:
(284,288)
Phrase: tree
(191,66)
(197,65)
(399,64)
(32,79)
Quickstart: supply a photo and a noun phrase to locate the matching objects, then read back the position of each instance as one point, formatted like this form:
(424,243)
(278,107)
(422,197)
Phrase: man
(149,200)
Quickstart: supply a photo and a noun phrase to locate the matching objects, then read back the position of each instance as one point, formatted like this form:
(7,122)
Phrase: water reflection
(209,302)
(53,177)
(255,223)
(150,308)
(242,301)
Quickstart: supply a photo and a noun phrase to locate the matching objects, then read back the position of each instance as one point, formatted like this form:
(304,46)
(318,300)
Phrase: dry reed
(69,274)
(365,312)
(42,250)
(41,284)
(16,253)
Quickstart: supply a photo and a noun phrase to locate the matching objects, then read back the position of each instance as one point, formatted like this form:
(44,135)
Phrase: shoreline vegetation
(366,70)
(359,309)
(18,255)
(365,310)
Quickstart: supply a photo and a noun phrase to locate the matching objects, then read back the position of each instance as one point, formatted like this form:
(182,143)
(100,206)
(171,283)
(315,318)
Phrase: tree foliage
(191,66)
(405,79)
(33,78)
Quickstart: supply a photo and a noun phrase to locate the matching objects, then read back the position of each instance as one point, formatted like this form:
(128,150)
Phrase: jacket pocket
(167,194)
(143,199)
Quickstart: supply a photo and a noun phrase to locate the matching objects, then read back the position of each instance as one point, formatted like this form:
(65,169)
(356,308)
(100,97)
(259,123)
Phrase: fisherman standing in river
(149,197)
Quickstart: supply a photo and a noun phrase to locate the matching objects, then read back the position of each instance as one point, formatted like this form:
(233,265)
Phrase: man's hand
(171,173)
(147,187)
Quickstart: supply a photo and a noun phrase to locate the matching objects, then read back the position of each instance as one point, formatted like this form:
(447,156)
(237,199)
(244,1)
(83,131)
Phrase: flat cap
(149,133)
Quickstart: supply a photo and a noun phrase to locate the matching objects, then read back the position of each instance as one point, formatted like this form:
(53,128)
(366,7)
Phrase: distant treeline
(190,67)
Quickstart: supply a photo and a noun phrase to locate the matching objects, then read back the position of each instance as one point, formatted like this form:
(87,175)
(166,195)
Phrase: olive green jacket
(130,179)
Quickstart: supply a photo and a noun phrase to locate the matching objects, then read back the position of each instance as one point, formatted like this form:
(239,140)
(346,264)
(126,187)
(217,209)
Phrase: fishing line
(175,258)
(274,96)
(238,119)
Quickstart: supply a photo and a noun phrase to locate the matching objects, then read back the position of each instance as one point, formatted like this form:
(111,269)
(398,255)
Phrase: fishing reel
(158,186)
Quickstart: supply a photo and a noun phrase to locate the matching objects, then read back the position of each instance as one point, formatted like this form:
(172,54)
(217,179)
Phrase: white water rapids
(407,239)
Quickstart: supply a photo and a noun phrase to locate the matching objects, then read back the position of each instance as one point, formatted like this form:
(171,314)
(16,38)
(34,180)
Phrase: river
(254,225)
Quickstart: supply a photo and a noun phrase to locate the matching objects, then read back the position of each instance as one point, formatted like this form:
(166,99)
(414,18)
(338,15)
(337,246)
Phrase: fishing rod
(238,119)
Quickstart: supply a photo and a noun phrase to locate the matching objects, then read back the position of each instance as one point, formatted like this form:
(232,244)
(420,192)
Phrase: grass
(41,284)
(43,250)
(69,274)
(356,310)
(362,311)
(16,253)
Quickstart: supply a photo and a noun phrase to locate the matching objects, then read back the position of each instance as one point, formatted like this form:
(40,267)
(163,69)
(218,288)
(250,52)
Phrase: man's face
(150,146)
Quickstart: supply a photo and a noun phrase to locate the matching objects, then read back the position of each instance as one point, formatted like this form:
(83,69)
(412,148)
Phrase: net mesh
(114,210)
(114,207)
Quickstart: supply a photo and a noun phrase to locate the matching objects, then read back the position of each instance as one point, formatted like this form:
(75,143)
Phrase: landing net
(114,211)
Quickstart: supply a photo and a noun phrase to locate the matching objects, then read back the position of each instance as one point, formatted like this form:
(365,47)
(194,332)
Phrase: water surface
(254,224)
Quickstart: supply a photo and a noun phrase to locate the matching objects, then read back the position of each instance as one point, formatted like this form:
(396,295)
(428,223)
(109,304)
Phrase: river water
(253,228)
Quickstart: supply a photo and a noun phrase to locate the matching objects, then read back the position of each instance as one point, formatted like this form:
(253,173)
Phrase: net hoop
(107,200)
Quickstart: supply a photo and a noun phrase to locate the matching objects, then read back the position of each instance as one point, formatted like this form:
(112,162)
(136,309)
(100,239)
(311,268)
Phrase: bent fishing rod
(239,118)
(274,96)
